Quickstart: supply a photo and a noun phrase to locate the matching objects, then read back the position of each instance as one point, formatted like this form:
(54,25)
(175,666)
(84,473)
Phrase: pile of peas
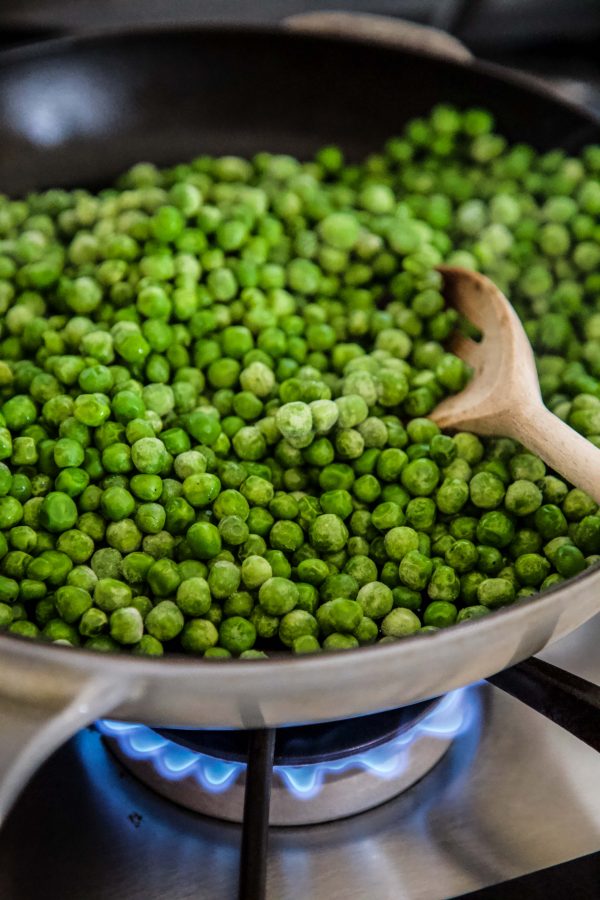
(215,382)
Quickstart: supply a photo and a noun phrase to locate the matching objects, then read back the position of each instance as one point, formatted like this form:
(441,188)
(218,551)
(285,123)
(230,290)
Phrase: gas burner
(321,773)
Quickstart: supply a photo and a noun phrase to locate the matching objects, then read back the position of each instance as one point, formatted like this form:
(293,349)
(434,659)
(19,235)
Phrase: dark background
(558,39)
(485,24)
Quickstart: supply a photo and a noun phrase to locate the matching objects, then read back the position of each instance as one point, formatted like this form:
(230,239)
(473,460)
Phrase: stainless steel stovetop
(514,795)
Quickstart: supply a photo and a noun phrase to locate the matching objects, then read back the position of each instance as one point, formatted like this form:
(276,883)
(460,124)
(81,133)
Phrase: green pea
(550,521)
(224,579)
(306,643)
(577,504)
(471,612)
(415,570)
(362,569)
(337,641)
(444,585)
(487,491)
(198,636)
(495,592)
(313,571)
(165,621)
(495,528)
(237,634)
(278,596)
(126,625)
(204,539)
(399,541)
(400,623)
(462,556)
(110,594)
(58,512)
(531,569)
(296,624)
(255,571)
(9,590)
(328,533)
(25,629)
(452,495)
(93,622)
(163,578)
(523,498)
(440,613)
(345,615)
(6,616)
(569,561)
(375,599)
(57,630)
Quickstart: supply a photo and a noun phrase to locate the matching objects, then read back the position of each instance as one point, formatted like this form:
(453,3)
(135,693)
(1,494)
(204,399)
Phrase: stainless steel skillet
(78,111)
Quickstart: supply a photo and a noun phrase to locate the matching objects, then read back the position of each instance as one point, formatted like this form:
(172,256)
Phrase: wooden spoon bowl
(503,396)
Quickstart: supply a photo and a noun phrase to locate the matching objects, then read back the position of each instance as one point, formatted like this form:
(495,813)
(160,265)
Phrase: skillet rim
(514,77)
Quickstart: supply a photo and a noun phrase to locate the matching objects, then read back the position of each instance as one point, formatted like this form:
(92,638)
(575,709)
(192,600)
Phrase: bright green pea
(296,624)
(198,636)
(58,512)
(237,634)
(375,599)
(495,592)
(336,641)
(165,621)
(255,571)
(400,623)
(328,533)
(126,625)
(278,596)
(204,539)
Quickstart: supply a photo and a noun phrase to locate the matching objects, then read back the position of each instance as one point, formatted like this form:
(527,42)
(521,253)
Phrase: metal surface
(76,111)
(30,732)
(523,796)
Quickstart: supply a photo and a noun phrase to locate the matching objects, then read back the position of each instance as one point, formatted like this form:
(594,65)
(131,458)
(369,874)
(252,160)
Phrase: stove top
(512,795)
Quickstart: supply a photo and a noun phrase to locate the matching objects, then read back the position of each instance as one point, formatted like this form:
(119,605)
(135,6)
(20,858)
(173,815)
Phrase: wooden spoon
(503,396)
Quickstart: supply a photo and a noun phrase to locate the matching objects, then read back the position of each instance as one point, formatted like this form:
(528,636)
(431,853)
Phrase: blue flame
(449,718)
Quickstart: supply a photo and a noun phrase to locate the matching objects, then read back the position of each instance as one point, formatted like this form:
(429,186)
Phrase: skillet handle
(30,732)
(381,30)
(569,701)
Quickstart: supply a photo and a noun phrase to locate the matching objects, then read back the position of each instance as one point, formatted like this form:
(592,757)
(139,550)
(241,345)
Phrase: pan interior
(80,112)
(105,103)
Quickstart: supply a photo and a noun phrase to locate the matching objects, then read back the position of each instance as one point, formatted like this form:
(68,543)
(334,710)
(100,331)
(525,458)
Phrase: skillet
(78,111)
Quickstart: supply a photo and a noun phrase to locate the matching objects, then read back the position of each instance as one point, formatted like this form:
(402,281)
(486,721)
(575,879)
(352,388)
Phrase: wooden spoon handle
(562,448)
